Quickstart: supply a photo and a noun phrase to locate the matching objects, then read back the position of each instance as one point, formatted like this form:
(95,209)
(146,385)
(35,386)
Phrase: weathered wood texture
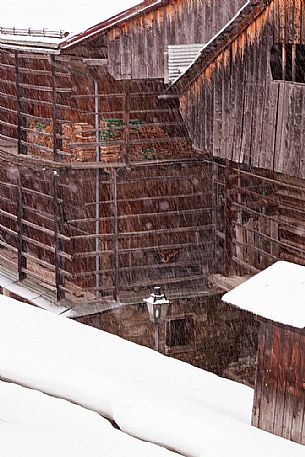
(136,49)
(279,403)
(155,222)
(259,220)
(154,217)
(235,110)
(48,109)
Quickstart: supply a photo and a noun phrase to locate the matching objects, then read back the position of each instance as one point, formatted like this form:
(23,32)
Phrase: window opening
(180,332)
(287,62)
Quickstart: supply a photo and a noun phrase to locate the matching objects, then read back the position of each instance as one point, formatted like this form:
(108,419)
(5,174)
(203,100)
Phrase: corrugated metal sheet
(180,58)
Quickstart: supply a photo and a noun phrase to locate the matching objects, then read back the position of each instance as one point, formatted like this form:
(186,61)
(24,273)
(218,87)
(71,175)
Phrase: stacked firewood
(40,138)
(79,141)
(76,137)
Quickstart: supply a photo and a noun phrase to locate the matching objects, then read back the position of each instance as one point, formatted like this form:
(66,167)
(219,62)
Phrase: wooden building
(242,101)
(102,195)
(276,296)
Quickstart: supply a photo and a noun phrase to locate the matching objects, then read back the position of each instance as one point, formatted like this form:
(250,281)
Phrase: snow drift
(149,396)
(33,424)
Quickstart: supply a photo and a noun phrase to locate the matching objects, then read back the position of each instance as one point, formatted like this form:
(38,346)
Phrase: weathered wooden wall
(152,217)
(279,403)
(260,218)
(134,125)
(234,109)
(155,227)
(136,49)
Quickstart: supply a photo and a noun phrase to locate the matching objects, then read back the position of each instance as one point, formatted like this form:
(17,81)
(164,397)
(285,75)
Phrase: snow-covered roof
(33,424)
(150,396)
(277,293)
(73,16)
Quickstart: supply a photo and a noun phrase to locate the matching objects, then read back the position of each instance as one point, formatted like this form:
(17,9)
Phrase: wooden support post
(57,148)
(21,121)
(57,128)
(293,57)
(126,121)
(22,262)
(228,219)
(58,259)
(97,191)
(284,62)
(216,266)
(114,197)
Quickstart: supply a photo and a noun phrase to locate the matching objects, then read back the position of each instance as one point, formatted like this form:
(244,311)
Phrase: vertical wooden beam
(97,191)
(228,219)
(22,262)
(294,51)
(114,195)
(283,62)
(57,148)
(217,268)
(57,128)
(21,121)
(126,121)
(260,365)
(59,279)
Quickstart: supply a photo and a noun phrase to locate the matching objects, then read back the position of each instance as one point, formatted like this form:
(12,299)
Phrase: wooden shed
(277,297)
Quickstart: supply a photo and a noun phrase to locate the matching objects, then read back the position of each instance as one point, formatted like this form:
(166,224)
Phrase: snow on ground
(33,424)
(277,293)
(149,396)
(73,16)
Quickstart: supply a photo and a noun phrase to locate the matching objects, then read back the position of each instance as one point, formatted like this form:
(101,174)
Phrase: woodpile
(78,141)
(40,137)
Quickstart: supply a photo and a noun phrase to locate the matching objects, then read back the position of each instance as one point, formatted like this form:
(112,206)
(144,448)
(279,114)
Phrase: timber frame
(95,183)
(102,194)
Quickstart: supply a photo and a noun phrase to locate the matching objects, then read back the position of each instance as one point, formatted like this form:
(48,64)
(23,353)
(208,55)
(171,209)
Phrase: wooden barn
(276,296)
(102,195)
(242,101)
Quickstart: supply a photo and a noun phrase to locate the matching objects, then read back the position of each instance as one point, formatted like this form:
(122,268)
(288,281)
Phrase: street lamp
(157,306)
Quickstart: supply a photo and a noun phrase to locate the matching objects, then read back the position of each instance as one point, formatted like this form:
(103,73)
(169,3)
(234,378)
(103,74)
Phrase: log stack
(78,142)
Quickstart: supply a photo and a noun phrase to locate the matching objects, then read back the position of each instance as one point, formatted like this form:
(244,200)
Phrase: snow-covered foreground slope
(33,424)
(149,396)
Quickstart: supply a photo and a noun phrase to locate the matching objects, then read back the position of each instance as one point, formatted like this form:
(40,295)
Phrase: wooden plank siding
(251,118)
(140,44)
(279,402)
(145,214)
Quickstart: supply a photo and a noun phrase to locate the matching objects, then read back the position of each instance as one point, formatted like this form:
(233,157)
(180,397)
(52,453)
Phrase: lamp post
(157,306)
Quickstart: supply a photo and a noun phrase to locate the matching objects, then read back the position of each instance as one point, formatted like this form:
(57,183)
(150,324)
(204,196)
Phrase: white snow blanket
(33,424)
(277,293)
(149,396)
(72,16)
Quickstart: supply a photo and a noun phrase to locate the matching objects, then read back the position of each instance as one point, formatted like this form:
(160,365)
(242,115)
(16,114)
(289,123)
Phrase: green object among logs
(112,132)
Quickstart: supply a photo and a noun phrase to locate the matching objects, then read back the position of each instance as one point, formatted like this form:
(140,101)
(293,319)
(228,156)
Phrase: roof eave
(29,46)
(120,18)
